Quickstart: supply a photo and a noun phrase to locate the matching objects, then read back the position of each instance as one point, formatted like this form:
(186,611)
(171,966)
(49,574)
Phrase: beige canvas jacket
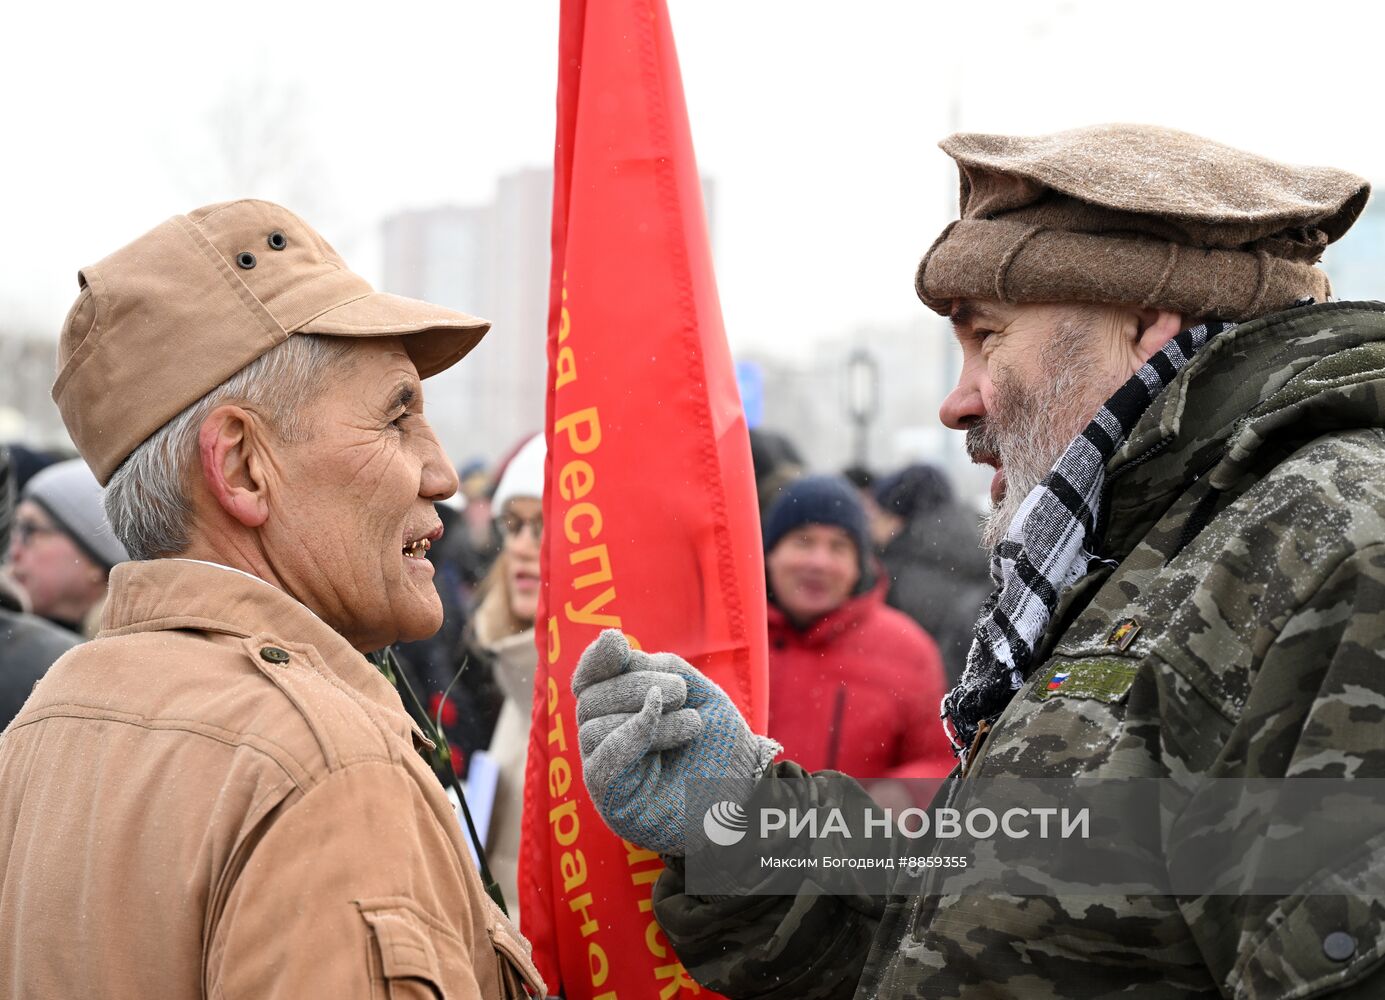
(219,797)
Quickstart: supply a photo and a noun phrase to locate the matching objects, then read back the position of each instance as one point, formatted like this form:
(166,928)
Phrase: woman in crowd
(502,630)
(62,548)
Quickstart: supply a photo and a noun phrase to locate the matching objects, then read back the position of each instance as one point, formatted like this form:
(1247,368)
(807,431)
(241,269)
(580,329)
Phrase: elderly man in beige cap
(1188,551)
(220,795)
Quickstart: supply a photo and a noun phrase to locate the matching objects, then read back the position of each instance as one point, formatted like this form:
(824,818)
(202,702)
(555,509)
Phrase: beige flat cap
(161,322)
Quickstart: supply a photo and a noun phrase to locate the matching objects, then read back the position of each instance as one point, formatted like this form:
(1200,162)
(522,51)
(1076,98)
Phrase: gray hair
(147,500)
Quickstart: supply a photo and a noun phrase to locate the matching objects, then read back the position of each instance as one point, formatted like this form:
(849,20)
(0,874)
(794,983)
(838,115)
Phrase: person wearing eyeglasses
(29,645)
(62,549)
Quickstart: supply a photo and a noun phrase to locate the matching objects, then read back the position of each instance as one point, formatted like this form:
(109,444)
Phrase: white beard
(1029,428)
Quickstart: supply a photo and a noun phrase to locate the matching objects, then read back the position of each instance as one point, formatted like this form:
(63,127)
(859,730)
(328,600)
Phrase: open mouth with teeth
(418,549)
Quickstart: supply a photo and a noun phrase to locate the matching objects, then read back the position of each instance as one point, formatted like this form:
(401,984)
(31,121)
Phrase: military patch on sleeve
(1098,679)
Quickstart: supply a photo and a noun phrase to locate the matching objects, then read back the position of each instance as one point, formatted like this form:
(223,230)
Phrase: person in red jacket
(855,686)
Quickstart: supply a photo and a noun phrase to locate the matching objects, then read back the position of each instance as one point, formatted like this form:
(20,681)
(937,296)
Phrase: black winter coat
(938,577)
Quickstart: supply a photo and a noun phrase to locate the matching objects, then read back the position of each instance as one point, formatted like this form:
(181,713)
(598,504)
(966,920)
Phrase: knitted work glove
(658,738)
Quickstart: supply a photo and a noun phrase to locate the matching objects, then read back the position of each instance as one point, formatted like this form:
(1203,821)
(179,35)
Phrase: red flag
(651,523)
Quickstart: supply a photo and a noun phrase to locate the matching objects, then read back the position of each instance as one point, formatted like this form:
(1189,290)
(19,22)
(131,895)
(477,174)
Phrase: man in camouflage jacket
(1227,618)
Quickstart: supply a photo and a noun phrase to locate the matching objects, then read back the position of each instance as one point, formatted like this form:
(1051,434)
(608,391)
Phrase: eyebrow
(966,314)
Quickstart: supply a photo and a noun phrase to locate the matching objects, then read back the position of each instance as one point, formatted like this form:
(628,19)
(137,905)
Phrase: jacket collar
(1251,394)
(161,594)
(9,596)
(517,660)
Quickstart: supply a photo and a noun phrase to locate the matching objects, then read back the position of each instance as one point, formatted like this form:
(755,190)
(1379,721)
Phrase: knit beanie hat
(914,489)
(1136,215)
(817,500)
(523,475)
(71,496)
(26,463)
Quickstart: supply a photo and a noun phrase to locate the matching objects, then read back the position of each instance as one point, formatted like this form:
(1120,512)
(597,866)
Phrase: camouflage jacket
(1245,536)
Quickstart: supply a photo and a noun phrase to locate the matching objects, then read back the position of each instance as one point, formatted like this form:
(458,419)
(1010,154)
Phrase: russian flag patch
(1102,679)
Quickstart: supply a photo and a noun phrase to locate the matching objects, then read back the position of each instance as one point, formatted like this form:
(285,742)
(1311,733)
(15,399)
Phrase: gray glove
(658,739)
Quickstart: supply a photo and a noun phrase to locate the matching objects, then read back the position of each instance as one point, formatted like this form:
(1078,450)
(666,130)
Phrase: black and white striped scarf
(1049,545)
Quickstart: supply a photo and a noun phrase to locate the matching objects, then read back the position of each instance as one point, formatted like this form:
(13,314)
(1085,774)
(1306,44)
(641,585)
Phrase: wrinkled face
(1033,376)
(521,526)
(62,582)
(351,506)
(813,570)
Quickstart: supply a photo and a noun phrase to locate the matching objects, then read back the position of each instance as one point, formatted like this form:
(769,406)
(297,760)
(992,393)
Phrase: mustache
(982,443)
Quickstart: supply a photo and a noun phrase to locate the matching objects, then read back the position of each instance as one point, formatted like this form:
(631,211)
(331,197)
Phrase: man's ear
(231,445)
(1156,328)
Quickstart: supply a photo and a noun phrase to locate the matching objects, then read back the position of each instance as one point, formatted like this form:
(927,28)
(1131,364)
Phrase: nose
(965,404)
(818,557)
(439,479)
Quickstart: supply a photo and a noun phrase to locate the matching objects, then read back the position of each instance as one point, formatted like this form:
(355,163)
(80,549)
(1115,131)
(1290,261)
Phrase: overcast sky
(818,121)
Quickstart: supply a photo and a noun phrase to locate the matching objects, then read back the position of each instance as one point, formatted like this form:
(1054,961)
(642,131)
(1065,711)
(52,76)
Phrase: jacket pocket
(519,979)
(403,961)
(1324,938)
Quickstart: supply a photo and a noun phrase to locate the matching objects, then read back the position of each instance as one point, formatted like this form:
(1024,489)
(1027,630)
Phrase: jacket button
(274,654)
(1339,946)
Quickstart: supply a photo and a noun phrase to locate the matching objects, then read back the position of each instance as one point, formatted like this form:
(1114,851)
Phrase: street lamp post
(862,398)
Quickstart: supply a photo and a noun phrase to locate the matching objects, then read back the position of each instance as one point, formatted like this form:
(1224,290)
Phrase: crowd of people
(209,777)
(873,583)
